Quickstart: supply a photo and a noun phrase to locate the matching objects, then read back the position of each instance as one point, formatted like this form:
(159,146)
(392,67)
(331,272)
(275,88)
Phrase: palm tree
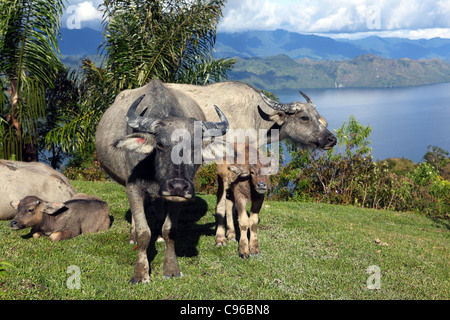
(28,64)
(171,40)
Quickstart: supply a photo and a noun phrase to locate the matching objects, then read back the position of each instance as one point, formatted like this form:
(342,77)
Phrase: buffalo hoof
(243,255)
(160,239)
(178,275)
(134,281)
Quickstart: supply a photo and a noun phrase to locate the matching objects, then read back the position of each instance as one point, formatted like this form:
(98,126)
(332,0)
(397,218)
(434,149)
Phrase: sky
(352,19)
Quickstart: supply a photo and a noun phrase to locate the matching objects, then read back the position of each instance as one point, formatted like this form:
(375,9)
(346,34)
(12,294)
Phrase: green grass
(309,251)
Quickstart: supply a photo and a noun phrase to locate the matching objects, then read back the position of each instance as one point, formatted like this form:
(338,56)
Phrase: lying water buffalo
(246,108)
(61,220)
(20,179)
(136,146)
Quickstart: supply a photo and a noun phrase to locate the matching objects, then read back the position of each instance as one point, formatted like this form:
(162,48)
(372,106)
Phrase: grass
(309,251)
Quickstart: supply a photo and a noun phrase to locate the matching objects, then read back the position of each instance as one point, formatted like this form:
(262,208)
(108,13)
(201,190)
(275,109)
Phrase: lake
(404,121)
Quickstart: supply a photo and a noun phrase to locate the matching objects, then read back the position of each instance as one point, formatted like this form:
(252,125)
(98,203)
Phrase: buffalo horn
(275,105)
(308,99)
(211,129)
(142,124)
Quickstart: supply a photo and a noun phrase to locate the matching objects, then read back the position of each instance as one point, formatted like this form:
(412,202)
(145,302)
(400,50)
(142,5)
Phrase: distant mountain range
(282,72)
(298,46)
(281,59)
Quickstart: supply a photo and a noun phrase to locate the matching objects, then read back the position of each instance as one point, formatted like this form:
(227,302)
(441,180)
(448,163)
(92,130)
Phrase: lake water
(404,121)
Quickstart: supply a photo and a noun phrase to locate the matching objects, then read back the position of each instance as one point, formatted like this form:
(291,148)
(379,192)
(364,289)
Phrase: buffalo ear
(240,171)
(278,117)
(137,142)
(15,204)
(53,207)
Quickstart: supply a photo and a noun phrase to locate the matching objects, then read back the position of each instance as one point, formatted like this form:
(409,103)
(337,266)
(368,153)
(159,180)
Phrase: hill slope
(282,72)
(308,251)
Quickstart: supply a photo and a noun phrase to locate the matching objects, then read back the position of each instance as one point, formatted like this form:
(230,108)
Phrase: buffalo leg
(253,225)
(143,233)
(243,226)
(231,232)
(169,229)
(220,213)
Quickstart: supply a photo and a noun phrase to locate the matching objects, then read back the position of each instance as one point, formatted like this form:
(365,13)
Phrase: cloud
(81,14)
(344,16)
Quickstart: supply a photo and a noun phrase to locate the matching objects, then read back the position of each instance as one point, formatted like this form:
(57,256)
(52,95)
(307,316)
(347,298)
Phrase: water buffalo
(247,108)
(20,179)
(61,220)
(135,144)
(238,183)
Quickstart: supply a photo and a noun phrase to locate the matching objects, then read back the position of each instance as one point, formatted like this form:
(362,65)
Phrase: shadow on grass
(188,232)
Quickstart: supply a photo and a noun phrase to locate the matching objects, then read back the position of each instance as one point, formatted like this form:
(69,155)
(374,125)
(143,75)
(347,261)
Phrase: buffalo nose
(262,185)
(13,224)
(178,186)
(332,140)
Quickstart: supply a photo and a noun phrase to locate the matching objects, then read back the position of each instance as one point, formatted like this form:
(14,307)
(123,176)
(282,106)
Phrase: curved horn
(308,99)
(275,105)
(215,129)
(136,122)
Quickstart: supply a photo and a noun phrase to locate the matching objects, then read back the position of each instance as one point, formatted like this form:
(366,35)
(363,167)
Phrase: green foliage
(205,179)
(4,266)
(89,170)
(355,179)
(29,54)
(170,40)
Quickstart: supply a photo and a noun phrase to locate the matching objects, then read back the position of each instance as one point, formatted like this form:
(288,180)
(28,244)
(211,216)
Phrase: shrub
(205,179)
(355,179)
(89,170)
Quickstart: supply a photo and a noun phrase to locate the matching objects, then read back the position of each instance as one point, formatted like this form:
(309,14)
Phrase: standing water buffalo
(246,108)
(136,146)
(20,179)
(237,184)
(61,220)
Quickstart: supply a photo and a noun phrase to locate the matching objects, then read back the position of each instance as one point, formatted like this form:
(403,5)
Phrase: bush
(355,179)
(89,170)
(205,179)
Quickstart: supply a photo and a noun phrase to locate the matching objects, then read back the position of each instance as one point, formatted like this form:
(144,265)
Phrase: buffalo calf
(239,183)
(61,220)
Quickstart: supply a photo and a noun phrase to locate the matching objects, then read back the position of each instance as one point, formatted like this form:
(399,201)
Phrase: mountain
(281,59)
(297,46)
(282,72)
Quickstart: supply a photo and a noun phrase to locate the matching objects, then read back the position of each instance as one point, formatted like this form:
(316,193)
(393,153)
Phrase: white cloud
(421,17)
(81,14)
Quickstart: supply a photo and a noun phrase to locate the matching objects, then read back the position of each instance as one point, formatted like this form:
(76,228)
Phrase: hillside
(282,72)
(295,45)
(308,251)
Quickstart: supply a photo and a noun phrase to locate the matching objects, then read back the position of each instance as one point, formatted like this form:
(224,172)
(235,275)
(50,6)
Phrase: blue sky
(336,18)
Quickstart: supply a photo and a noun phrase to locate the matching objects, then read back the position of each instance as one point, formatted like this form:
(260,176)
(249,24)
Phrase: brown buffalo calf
(239,183)
(61,220)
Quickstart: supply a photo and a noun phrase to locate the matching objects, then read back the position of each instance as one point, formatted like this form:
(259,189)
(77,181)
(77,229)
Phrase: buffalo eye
(304,118)
(31,210)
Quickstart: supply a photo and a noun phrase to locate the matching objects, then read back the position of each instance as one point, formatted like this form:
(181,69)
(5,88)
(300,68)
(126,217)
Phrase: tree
(61,105)
(437,157)
(170,40)
(28,64)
